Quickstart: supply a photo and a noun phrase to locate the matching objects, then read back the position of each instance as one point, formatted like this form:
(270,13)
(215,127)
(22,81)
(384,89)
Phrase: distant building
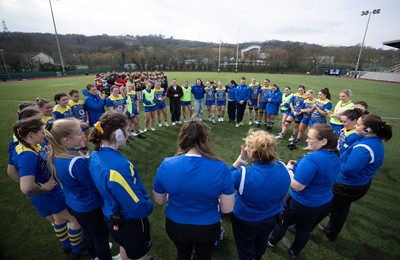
(40,58)
(130,66)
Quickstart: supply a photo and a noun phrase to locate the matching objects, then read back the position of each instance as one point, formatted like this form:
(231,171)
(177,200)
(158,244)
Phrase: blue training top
(119,183)
(194,184)
(198,91)
(317,171)
(79,190)
(242,92)
(265,185)
(231,92)
(361,161)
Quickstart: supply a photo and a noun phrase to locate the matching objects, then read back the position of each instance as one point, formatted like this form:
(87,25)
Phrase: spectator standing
(174,93)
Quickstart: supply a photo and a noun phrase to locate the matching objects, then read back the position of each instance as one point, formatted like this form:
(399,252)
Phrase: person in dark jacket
(174,93)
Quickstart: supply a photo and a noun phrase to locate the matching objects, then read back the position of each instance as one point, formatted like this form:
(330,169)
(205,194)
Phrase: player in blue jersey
(186,100)
(310,196)
(37,182)
(348,134)
(262,101)
(305,121)
(296,103)
(160,104)
(231,87)
(359,164)
(285,105)
(149,103)
(210,101)
(62,109)
(198,95)
(321,107)
(71,169)
(197,187)
(242,95)
(46,108)
(274,99)
(260,190)
(220,93)
(126,203)
(116,102)
(79,110)
(27,112)
(94,103)
(133,110)
(253,100)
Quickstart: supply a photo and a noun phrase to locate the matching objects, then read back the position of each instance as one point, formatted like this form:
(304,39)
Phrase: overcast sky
(328,23)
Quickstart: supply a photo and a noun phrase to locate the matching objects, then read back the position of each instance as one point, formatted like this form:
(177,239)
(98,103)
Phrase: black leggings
(185,236)
(343,196)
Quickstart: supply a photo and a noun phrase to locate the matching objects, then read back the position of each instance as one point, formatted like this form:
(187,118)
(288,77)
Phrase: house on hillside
(40,58)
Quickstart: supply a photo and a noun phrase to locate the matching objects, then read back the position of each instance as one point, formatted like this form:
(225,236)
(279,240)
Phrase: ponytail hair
(326,92)
(195,135)
(23,127)
(103,130)
(362,105)
(28,112)
(377,126)
(55,132)
(325,131)
(353,114)
(40,102)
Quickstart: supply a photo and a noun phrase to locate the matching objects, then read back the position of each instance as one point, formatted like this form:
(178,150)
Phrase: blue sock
(61,231)
(75,238)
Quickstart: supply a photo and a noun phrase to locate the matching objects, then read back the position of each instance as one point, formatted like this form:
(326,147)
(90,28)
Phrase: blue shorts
(287,111)
(221,103)
(186,103)
(150,109)
(296,118)
(305,120)
(252,102)
(210,103)
(133,235)
(160,106)
(134,110)
(313,122)
(263,105)
(49,203)
(132,115)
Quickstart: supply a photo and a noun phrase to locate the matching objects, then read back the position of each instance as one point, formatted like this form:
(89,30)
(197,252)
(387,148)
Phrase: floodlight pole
(4,63)
(58,43)
(219,53)
(375,11)
(237,53)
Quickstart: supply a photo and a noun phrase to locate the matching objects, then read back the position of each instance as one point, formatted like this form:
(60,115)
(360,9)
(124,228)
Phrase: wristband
(242,161)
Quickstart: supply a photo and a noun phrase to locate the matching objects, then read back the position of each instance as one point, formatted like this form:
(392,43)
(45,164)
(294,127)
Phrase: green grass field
(371,232)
